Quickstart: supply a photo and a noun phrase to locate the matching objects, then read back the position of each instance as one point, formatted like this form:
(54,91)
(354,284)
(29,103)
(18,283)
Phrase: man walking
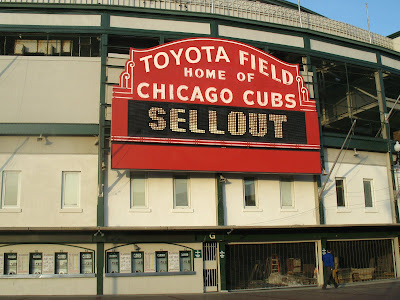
(328,268)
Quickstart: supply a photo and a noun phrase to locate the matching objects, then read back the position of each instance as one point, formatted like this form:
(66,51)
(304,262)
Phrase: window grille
(363,260)
(255,266)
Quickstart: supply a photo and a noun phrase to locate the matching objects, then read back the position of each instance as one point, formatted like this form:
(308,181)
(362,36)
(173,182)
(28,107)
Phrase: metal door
(210,267)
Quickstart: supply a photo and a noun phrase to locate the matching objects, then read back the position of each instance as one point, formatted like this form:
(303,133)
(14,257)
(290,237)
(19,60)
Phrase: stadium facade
(227,150)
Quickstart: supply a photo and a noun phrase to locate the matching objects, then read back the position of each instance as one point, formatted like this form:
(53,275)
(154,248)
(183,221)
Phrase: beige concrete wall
(262,36)
(49,89)
(160,25)
(365,165)
(269,211)
(396,43)
(160,197)
(41,164)
(156,284)
(23,284)
(50,19)
(343,51)
(390,62)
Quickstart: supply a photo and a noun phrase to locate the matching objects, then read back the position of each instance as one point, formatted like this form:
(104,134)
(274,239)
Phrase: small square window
(61,263)
(340,192)
(10,263)
(35,263)
(249,191)
(368,192)
(71,189)
(10,189)
(185,262)
(86,260)
(112,262)
(137,262)
(286,188)
(138,190)
(161,261)
(181,191)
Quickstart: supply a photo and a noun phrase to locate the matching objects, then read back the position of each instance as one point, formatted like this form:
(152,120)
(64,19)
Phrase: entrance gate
(363,260)
(210,266)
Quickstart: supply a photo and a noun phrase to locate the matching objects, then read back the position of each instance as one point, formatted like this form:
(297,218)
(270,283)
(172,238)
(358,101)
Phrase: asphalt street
(383,290)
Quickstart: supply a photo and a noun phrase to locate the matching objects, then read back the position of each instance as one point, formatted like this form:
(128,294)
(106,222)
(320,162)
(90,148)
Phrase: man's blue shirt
(328,260)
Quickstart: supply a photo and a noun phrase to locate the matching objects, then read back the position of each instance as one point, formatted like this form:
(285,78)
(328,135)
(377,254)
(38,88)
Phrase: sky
(383,14)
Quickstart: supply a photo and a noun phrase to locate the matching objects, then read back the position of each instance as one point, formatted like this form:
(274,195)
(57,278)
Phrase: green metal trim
(153,33)
(48,129)
(51,29)
(323,243)
(214,28)
(220,205)
(335,140)
(222,265)
(100,268)
(228,235)
(389,144)
(205,18)
(322,155)
(190,15)
(102,161)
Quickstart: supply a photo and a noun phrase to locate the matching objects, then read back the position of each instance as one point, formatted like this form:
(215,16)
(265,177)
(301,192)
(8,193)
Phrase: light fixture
(397,149)
(222,179)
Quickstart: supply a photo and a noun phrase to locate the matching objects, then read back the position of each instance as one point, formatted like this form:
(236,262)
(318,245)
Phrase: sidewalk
(382,290)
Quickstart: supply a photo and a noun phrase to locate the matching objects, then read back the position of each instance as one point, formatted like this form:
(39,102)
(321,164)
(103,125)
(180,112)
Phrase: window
(86,259)
(181,197)
(10,263)
(61,266)
(10,189)
(70,189)
(137,262)
(286,187)
(35,263)
(249,189)
(52,44)
(112,262)
(185,263)
(161,261)
(138,191)
(340,193)
(368,192)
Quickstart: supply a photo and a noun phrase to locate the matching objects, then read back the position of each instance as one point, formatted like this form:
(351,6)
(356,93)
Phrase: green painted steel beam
(48,129)
(100,268)
(335,140)
(103,145)
(222,234)
(220,206)
(222,264)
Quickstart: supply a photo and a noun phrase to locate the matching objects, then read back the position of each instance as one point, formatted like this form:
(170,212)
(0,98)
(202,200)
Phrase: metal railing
(252,10)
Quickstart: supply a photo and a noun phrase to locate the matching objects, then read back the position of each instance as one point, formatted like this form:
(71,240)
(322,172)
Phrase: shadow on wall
(13,154)
(9,65)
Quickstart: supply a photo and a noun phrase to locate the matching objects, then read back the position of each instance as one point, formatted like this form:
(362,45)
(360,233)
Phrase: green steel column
(214,28)
(102,158)
(319,203)
(222,264)
(100,268)
(220,204)
(386,135)
(319,179)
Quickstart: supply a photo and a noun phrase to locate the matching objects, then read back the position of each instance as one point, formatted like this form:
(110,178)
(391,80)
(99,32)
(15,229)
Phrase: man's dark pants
(328,278)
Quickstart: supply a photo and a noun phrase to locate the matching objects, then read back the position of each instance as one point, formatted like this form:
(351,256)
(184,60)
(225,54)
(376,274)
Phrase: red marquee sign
(207,104)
